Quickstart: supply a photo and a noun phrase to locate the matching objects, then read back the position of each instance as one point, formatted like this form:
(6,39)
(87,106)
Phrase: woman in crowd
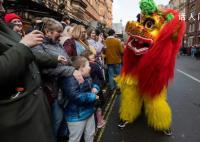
(91,33)
(68,42)
(95,39)
(15,23)
(51,46)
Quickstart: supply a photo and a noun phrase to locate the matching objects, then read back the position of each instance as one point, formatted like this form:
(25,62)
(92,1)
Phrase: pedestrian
(100,37)
(95,41)
(97,78)
(193,51)
(68,42)
(15,23)
(24,109)
(36,23)
(80,36)
(65,21)
(51,46)
(113,53)
(77,33)
(66,34)
(79,113)
(91,34)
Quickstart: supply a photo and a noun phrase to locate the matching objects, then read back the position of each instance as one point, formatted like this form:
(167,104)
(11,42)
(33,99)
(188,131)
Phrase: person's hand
(97,97)
(101,37)
(62,59)
(32,39)
(94,90)
(78,76)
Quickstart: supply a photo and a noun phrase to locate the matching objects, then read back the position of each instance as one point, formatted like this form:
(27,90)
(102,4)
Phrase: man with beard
(25,115)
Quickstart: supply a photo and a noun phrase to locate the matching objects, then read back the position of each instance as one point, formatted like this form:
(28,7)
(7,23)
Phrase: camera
(40,26)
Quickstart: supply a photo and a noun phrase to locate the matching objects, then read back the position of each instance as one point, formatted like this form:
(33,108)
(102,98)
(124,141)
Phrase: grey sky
(128,9)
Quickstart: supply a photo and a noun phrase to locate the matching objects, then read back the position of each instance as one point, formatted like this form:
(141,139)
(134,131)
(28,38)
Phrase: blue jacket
(81,100)
(79,47)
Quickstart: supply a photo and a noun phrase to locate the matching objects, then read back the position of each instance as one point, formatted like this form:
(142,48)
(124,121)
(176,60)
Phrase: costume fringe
(131,102)
(158,111)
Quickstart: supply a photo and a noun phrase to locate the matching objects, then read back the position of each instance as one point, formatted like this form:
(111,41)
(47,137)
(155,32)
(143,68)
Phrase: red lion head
(150,52)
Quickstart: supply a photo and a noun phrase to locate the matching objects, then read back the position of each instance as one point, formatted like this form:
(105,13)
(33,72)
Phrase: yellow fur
(131,102)
(157,109)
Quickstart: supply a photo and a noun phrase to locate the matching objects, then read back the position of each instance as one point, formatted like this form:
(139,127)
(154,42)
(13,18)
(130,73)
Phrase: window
(192,9)
(198,39)
(190,41)
(192,0)
(199,25)
(192,27)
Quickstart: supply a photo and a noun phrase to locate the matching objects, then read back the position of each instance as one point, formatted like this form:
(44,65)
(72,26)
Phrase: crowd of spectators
(74,65)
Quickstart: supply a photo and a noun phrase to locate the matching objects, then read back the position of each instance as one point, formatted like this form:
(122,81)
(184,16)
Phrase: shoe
(111,91)
(122,124)
(168,132)
(102,124)
(118,91)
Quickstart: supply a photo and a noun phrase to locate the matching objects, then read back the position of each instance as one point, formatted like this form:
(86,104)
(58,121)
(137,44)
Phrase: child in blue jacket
(79,112)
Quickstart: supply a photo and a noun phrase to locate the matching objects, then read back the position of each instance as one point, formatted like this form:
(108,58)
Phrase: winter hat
(10,16)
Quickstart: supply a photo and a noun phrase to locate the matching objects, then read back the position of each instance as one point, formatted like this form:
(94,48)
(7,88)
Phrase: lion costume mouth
(140,45)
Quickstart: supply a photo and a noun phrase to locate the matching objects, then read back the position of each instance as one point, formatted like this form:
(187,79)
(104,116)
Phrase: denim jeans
(113,71)
(192,53)
(57,116)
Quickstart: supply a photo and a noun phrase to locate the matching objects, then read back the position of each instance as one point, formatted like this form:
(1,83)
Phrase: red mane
(155,68)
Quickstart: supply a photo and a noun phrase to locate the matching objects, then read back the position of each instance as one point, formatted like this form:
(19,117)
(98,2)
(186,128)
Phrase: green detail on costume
(169,17)
(148,6)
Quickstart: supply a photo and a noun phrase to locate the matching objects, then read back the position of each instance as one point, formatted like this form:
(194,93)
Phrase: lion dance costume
(148,64)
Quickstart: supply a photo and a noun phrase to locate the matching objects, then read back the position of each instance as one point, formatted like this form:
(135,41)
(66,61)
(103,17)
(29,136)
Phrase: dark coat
(53,48)
(27,117)
(96,74)
(50,76)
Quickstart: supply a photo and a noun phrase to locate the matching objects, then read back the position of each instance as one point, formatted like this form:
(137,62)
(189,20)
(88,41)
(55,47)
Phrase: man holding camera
(25,115)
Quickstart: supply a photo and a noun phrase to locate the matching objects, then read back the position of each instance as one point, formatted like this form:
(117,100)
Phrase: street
(184,99)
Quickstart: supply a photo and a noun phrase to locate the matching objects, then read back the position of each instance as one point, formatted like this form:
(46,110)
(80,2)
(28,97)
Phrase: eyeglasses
(17,22)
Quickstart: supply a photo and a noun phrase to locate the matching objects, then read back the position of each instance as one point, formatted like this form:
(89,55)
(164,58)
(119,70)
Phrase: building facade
(193,23)
(80,11)
(190,12)
(96,11)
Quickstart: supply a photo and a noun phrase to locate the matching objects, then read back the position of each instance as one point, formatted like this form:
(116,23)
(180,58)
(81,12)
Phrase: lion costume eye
(149,23)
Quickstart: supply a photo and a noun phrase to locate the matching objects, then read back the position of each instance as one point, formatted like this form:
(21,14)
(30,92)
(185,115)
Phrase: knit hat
(10,16)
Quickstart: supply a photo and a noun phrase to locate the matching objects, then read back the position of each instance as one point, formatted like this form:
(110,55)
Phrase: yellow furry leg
(158,111)
(131,102)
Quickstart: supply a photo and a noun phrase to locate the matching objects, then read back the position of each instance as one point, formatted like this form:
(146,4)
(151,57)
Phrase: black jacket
(96,74)
(26,118)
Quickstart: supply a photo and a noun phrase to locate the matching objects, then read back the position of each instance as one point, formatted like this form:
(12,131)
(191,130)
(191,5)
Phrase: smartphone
(40,26)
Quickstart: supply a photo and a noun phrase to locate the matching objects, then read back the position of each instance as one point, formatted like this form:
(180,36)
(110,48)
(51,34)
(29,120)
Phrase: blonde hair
(76,32)
(52,24)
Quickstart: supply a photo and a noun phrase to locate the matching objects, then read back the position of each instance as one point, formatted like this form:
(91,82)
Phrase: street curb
(108,110)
